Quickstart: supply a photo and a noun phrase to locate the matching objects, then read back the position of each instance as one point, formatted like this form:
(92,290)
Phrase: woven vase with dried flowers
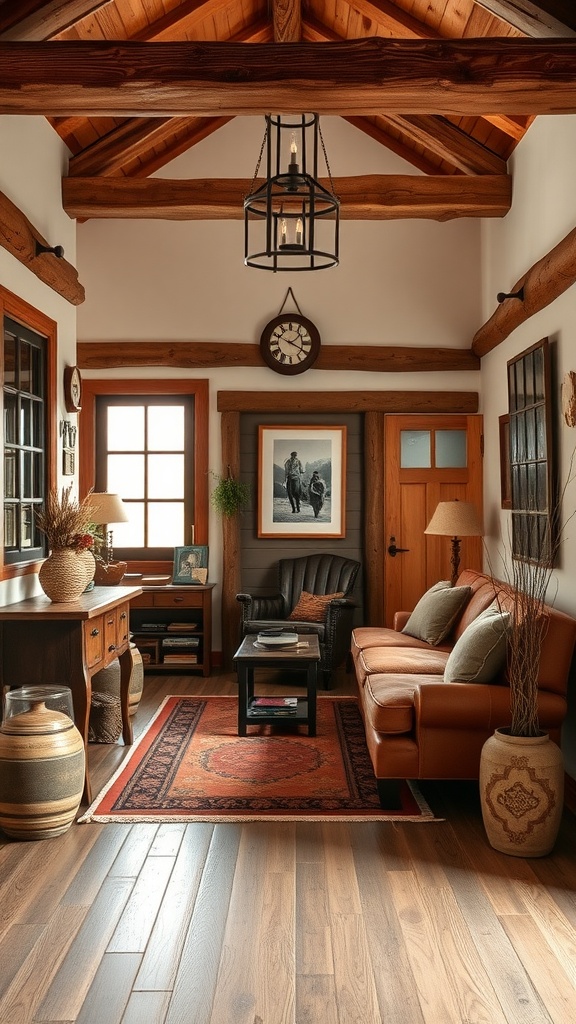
(70,565)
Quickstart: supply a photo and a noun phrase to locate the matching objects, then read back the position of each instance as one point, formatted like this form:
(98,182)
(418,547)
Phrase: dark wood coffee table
(249,657)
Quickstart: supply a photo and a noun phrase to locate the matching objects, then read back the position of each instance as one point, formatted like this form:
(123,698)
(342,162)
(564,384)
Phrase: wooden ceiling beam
(19,237)
(134,139)
(548,18)
(449,143)
(509,125)
(39,21)
(366,197)
(287,21)
(539,286)
(316,32)
(406,76)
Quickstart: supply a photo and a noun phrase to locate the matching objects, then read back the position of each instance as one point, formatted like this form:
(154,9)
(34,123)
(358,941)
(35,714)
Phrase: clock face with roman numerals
(290,343)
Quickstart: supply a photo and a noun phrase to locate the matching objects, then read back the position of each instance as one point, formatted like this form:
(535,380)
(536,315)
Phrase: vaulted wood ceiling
(464,153)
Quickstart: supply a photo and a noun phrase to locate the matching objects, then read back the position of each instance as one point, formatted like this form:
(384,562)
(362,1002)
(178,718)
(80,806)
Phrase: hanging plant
(230,496)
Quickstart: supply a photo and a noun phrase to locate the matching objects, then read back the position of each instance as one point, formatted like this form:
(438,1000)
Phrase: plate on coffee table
(279,640)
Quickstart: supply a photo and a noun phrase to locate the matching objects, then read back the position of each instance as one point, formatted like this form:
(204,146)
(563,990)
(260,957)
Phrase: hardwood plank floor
(285,923)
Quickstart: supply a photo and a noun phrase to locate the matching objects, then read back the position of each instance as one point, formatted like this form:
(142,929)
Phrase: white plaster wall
(543,212)
(399,282)
(32,161)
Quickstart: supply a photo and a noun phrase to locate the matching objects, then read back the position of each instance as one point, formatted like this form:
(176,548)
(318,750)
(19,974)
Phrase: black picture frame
(531,453)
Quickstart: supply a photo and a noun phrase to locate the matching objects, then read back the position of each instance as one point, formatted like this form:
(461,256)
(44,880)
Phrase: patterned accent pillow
(312,607)
(480,653)
(436,612)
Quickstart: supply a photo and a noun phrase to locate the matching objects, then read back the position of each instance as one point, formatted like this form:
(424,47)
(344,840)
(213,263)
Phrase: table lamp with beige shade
(108,508)
(455,519)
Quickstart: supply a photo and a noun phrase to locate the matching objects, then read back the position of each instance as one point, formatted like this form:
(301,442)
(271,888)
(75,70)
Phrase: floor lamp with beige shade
(455,519)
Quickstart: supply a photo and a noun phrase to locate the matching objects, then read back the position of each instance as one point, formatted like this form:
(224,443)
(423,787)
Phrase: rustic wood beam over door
(405,76)
(366,197)
(374,404)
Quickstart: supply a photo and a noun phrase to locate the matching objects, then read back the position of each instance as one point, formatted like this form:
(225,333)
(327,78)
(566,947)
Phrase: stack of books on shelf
(180,650)
(181,627)
(277,706)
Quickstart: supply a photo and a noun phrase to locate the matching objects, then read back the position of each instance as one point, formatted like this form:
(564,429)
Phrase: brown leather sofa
(420,727)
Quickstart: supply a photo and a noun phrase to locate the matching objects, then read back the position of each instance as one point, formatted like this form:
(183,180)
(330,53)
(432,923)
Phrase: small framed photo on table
(191,564)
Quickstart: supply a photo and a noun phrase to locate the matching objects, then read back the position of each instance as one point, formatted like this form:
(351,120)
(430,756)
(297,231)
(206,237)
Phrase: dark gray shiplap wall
(259,556)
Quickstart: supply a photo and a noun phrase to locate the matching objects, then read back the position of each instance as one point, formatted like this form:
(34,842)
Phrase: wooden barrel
(107,680)
(42,768)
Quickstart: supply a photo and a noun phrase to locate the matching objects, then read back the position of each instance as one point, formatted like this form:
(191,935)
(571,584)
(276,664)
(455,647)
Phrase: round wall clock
(290,343)
(72,389)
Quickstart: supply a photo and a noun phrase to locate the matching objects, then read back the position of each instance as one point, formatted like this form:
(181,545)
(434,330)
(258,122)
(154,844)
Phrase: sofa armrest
(400,620)
(484,706)
(442,705)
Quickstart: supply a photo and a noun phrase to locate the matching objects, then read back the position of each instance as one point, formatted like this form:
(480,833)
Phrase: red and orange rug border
(161,771)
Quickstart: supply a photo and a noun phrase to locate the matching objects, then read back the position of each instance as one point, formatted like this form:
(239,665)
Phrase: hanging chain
(290,292)
(326,159)
(259,161)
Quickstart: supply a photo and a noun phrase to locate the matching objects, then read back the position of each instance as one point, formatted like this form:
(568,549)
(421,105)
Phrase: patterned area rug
(190,765)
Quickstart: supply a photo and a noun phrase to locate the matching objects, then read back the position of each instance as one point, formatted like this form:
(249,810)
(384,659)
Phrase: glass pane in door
(451,449)
(415,449)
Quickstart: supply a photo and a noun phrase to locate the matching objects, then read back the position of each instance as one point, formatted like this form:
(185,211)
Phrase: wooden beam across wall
(541,284)
(365,197)
(107,355)
(348,401)
(362,76)
(19,237)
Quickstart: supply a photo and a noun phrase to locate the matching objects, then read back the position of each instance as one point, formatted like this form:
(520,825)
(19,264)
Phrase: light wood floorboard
(285,923)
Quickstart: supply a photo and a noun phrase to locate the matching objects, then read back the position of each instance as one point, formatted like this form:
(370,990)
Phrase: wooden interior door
(427,459)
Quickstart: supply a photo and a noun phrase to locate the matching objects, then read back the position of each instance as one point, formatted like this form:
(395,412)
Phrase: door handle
(393,550)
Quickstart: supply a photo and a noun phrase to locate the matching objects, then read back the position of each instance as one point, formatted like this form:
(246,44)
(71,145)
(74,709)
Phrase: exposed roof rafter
(548,18)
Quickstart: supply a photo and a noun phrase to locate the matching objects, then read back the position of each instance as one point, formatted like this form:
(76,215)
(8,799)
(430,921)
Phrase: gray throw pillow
(480,653)
(436,612)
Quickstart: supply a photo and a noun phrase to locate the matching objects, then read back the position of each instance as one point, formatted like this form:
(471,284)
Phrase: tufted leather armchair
(315,574)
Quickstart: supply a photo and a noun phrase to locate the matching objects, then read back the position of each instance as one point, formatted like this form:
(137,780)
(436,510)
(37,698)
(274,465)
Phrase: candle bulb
(299,231)
(283,231)
(293,150)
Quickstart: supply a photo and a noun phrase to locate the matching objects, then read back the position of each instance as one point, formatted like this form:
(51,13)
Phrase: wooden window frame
(22,312)
(92,388)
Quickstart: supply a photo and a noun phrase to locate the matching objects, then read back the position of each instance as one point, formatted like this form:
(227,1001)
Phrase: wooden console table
(44,643)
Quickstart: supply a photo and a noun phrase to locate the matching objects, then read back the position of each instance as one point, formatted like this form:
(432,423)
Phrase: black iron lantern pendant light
(291,222)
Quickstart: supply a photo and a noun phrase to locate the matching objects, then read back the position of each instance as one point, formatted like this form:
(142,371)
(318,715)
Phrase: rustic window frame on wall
(531,453)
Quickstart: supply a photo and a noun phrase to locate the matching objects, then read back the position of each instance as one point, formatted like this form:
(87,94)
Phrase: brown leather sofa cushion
(429,660)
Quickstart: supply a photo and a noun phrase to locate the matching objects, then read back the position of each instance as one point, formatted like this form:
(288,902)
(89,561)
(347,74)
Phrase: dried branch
(65,520)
